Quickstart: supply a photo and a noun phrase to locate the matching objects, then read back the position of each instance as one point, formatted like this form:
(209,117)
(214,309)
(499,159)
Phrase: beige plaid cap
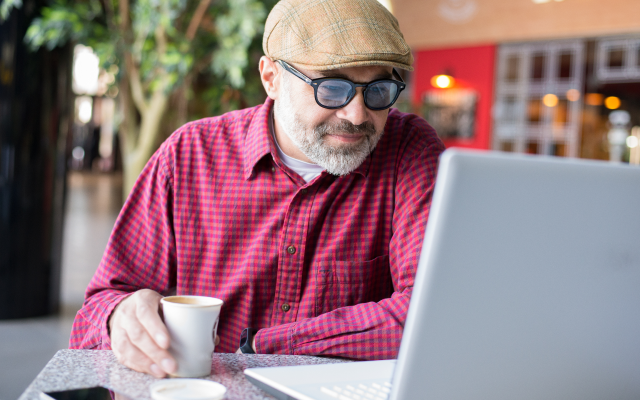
(330,34)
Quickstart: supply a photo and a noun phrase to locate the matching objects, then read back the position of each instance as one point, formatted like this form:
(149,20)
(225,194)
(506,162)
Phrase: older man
(305,214)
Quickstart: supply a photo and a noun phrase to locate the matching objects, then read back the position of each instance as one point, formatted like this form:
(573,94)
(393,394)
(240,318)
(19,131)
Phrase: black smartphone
(91,393)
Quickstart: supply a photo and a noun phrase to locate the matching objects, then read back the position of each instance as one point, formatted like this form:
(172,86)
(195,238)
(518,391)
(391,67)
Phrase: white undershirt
(307,171)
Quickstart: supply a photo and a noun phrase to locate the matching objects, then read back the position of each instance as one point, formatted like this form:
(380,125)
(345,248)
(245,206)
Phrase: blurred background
(89,89)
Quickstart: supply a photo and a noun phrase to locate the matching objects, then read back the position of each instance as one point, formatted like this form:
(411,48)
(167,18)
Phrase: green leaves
(6,6)
(156,44)
(63,22)
(236,29)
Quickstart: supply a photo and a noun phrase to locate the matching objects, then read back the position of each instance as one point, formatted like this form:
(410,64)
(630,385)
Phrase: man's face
(338,140)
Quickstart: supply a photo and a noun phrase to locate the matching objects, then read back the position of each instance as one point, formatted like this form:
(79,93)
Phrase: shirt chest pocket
(347,283)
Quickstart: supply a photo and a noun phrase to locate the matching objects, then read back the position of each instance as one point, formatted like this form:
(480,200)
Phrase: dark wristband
(246,339)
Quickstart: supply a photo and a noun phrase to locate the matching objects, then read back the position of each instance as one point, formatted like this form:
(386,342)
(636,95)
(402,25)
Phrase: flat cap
(330,34)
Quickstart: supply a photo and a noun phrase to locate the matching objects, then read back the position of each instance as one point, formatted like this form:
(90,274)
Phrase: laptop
(528,287)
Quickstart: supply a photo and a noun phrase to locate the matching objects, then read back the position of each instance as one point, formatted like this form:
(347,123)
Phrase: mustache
(327,128)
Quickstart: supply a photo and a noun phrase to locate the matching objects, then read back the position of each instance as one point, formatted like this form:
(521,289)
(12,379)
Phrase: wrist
(111,320)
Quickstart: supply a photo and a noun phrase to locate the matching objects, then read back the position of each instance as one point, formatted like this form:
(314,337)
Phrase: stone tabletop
(72,369)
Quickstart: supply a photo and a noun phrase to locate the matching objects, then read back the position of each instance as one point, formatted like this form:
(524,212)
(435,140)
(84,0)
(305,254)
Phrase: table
(71,369)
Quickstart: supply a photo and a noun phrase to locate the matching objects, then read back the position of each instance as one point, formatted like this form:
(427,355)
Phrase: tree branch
(161,40)
(108,8)
(137,92)
(123,7)
(197,18)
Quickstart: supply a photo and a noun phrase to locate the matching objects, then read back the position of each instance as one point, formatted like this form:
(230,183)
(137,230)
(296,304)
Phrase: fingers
(216,341)
(148,315)
(139,339)
(130,356)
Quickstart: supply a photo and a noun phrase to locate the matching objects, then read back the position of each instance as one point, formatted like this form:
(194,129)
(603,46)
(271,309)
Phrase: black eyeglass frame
(315,83)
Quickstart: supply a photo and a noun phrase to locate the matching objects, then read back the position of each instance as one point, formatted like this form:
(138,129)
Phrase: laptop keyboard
(373,391)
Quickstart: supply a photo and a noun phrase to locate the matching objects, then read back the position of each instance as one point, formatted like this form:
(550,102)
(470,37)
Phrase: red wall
(471,67)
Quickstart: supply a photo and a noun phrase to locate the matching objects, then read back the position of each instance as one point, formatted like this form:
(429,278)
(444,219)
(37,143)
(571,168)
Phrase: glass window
(615,57)
(559,149)
(561,115)
(513,68)
(506,146)
(534,110)
(565,67)
(532,147)
(510,109)
(537,66)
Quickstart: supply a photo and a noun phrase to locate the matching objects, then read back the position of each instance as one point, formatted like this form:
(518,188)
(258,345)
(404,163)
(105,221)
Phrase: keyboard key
(363,387)
(387,384)
(328,391)
(386,390)
(375,385)
(346,393)
(368,395)
(337,389)
(349,387)
(343,397)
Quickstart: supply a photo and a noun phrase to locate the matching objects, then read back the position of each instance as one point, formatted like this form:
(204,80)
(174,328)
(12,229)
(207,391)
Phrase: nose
(356,111)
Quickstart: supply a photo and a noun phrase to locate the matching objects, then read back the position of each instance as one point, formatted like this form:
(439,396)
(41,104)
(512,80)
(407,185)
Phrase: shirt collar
(259,142)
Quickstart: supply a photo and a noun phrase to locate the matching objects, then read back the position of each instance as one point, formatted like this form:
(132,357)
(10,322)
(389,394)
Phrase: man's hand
(139,338)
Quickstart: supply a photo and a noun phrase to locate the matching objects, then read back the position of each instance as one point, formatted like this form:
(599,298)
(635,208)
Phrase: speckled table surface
(71,369)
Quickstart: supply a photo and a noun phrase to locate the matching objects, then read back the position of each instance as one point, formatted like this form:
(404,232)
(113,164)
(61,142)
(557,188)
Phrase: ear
(270,75)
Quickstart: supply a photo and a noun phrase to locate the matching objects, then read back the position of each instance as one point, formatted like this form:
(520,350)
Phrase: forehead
(355,74)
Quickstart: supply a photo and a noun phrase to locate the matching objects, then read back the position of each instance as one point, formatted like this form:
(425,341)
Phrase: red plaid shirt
(321,268)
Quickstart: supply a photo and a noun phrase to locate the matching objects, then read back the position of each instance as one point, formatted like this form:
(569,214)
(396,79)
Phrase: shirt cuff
(276,340)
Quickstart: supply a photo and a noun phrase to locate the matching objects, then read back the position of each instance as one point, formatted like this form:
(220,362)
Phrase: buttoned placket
(291,253)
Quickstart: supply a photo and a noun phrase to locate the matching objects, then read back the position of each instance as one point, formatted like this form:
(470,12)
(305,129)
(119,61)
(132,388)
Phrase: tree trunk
(136,157)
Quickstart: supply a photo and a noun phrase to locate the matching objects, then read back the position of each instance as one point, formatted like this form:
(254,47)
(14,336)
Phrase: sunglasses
(335,93)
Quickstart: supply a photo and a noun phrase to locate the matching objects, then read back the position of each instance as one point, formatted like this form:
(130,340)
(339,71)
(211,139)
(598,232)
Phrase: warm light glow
(86,68)
(442,81)
(550,100)
(632,142)
(594,99)
(573,94)
(84,108)
(612,102)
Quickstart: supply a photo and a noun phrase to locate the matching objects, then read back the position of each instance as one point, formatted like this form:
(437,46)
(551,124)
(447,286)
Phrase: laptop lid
(528,285)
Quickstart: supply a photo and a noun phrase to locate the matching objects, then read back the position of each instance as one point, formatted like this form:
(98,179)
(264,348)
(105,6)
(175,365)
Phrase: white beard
(337,160)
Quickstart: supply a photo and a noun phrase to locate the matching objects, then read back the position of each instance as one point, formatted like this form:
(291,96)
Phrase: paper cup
(192,322)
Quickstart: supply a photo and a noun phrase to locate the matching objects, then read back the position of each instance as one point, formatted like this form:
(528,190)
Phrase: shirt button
(291,250)
(304,191)
(286,307)
(273,169)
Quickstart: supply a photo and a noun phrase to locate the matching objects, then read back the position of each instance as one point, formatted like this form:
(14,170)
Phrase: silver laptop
(528,287)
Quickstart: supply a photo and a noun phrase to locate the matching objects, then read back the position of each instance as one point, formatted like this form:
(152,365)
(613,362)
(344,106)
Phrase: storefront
(532,76)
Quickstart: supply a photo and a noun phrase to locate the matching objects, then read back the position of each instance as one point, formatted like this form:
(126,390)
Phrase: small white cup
(192,322)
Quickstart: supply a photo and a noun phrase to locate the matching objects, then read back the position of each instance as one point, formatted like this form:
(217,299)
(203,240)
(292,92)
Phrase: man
(305,215)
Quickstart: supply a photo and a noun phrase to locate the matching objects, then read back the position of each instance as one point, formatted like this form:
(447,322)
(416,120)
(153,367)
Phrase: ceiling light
(442,81)
(612,102)
(550,100)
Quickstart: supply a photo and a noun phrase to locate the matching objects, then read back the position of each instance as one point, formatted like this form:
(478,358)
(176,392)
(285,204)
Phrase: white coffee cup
(192,322)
